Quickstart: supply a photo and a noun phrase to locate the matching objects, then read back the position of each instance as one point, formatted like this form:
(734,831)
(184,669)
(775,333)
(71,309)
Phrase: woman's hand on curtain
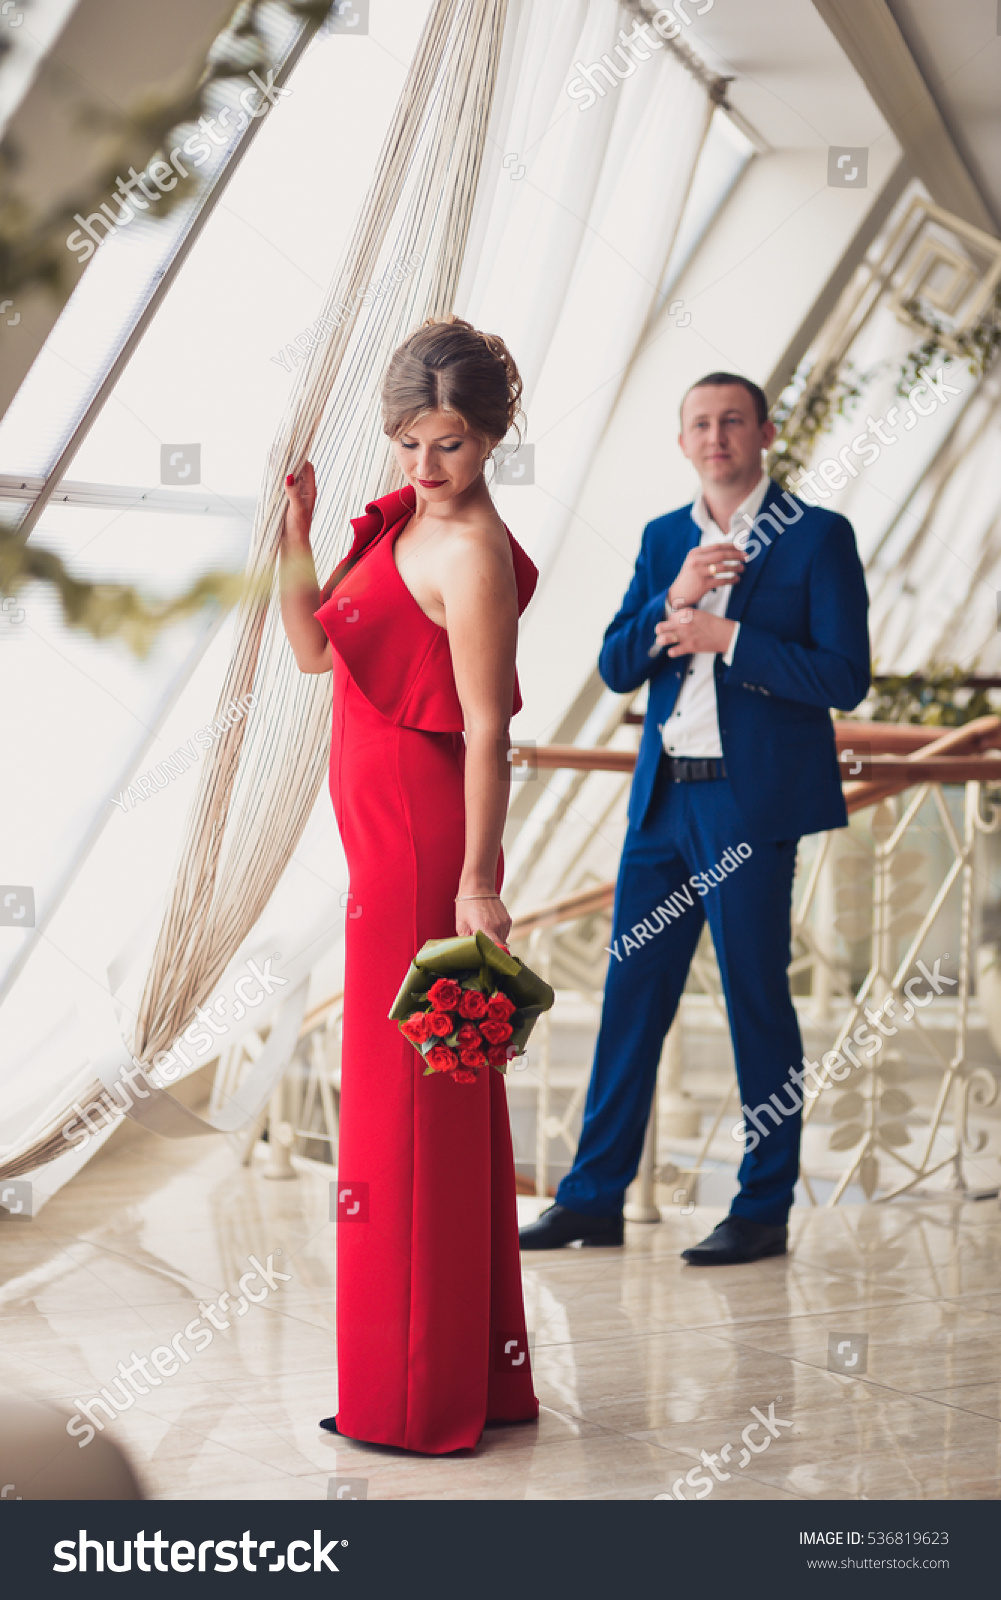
(300,492)
(300,592)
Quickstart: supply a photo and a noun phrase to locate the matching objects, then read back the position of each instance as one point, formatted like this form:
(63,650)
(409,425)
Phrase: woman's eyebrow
(440,439)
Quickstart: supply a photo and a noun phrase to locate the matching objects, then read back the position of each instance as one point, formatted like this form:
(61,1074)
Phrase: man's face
(721,436)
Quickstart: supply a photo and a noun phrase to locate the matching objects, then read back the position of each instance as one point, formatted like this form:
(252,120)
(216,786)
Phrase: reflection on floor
(642,1364)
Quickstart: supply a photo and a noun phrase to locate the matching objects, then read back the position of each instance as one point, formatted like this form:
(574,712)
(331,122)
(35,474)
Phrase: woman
(419,626)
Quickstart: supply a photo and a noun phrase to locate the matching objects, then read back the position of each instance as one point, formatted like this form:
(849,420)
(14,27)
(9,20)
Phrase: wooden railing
(893,755)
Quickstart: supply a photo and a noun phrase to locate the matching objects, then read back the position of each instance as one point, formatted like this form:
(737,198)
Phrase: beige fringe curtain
(262,777)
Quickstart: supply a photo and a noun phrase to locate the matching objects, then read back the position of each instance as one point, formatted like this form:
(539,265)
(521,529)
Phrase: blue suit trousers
(673,858)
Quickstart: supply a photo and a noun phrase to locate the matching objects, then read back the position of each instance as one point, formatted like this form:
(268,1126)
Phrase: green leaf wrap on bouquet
(476,962)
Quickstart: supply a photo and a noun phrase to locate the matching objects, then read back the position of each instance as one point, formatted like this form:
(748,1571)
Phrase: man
(747,615)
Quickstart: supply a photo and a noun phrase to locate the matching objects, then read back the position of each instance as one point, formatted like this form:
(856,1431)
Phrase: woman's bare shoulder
(480,539)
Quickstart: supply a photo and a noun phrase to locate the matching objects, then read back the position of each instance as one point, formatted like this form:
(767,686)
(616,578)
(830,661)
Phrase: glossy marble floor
(641,1363)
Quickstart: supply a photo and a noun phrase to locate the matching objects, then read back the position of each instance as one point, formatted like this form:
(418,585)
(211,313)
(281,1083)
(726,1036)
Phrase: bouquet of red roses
(467,1004)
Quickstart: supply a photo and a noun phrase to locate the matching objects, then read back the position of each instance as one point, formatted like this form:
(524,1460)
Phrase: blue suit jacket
(803,647)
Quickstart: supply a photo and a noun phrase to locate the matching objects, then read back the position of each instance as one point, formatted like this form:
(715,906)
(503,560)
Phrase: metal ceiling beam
(112,57)
(838,280)
(119,497)
(868,34)
(170,270)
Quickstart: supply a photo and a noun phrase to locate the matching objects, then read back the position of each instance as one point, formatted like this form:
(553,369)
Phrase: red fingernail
(291,478)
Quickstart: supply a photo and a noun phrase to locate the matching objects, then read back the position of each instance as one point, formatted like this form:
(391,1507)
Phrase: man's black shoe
(558,1225)
(736,1240)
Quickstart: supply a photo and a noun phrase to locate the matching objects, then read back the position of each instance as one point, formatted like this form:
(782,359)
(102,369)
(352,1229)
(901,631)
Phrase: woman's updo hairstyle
(448,365)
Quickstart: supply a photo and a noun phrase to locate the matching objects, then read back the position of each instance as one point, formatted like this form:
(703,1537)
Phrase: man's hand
(693,632)
(708,566)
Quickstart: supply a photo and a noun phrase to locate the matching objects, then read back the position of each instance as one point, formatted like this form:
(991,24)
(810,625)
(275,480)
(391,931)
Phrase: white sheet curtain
(261,779)
(578,210)
(565,259)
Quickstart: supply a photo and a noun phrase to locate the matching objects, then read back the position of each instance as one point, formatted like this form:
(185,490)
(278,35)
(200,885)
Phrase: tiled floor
(641,1363)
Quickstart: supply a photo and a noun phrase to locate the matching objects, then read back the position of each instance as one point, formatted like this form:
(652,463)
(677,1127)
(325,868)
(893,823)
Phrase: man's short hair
(720,380)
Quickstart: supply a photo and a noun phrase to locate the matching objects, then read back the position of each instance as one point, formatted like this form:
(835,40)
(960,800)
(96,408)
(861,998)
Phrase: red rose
(444,994)
(497,1055)
(415,1028)
(499,1007)
(441,1059)
(496,1032)
(469,1036)
(472,1004)
(439,1024)
(462,1076)
(473,1058)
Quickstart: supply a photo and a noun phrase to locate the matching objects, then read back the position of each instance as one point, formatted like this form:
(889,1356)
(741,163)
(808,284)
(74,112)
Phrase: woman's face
(439,456)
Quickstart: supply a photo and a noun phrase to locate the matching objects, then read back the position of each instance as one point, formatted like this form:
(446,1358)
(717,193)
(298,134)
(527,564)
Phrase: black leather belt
(694,769)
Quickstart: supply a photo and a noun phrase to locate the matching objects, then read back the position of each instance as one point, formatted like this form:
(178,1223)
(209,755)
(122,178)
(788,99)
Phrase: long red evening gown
(431,1340)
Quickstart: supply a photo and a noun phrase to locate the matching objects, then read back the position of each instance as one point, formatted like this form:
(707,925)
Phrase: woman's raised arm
(299,589)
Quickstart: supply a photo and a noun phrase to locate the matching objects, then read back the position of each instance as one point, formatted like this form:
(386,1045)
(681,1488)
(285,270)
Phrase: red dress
(431,1339)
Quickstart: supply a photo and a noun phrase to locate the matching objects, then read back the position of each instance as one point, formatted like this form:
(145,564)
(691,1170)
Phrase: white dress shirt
(692,729)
